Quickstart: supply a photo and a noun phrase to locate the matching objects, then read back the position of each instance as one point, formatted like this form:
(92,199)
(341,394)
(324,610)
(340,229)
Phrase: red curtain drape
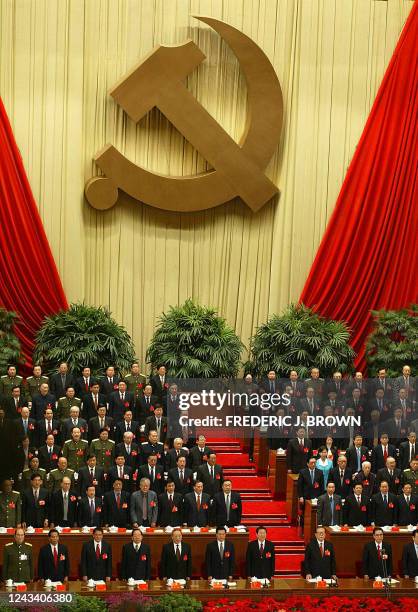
(368,257)
(29,280)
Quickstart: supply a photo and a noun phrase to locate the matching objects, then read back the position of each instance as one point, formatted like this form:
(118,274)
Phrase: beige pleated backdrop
(58,60)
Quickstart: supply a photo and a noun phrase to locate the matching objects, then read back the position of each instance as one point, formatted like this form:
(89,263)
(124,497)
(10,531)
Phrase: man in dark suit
(157,422)
(152,447)
(260,557)
(90,509)
(381,382)
(42,400)
(299,451)
(48,425)
(83,383)
(211,474)
(60,381)
(182,477)
(367,479)
(391,474)
(220,557)
(53,560)
(91,475)
(356,509)
(122,472)
(13,405)
(129,449)
(49,454)
(199,454)
(384,508)
(176,558)
(127,424)
(99,422)
(35,504)
(310,482)
(396,427)
(159,384)
(154,472)
(146,404)
(373,429)
(375,554)
(174,453)
(92,401)
(116,506)
(109,383)
(341,476)
(356,454)
(136,559)
(196,507)
(227,506)
(28,427)
(170,507)
(407,506)
(329,507)
(320,557)
(96,558)
(381,453)
(410,557)
(63,506)
(407,451)
(120,401)
(68,425)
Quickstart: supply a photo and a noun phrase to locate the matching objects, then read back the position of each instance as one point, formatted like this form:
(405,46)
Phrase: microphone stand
(385,574)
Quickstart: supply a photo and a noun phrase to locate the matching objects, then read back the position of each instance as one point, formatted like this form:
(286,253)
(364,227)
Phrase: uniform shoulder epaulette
(77,398)
(17,492)
(67,442)
(96,440)
(28,544)
(29,377)
(5,376)
(112,441)
(144,443)
(54,470)
(60,398)
(9,544)
(83,440)
(26,470)
(70,470)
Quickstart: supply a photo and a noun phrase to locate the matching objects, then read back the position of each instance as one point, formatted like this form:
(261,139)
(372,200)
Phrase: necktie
(158,423)
(212,472)
(65,507)
(49,427)
(55,557)
(120,472)
(358,500)
(50,451)
(136,547)
(101,423)
(123,397)
(91,474)
(271,387)
(36,495)
(407,500)
(379,552)
(332,509)
(152,474)
(221,550)
(181,476)
(321,546)
(95,401)
(227,507)
(411,451)
(198,503)
(170,500)
(63,380)
(97,551)
(301,444)
(261,549)
(385,499)
(342,477)
(25,426)
(385,453)
(128,450)
(118,500)
(177,552)
(312,476)
(358,460)
(92,508)
(145,507)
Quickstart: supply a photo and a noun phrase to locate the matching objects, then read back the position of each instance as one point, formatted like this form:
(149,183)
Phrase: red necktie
(322,549)
(261,549)
(118,500)
(97,551)
(379,552)
(385,454)
(55,557)
(49,427)
(198,503)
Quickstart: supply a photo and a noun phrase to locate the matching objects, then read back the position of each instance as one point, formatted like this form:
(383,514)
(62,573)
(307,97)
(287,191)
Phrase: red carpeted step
(288,564)
(234,460)
(285,534)
(250,483)
(259,509)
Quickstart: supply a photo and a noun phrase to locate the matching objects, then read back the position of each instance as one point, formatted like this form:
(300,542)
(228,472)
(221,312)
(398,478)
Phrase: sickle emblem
(238,168)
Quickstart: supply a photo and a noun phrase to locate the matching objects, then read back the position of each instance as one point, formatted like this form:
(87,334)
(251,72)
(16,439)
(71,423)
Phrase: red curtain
(29,281)
(368,257)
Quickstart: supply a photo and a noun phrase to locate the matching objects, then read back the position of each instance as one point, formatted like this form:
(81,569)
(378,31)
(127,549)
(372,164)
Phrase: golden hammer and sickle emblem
(238,168)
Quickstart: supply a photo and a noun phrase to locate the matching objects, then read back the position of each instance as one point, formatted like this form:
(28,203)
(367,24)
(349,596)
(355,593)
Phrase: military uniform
(64,406)
(135,384)
(18,562)
(104,452)
(410,477)
(32,385)
(7,383)
(76,453)
(26,477)
(10,509)
(54,478)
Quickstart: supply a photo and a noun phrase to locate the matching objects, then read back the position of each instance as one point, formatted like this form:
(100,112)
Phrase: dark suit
(133,458)
(260,565)
(351,455)
(35,513)
(97,569)
(235,509)
(118,407)
(89,408)
(31,431)
(298,456)
(394,432)
(384,514)
(55,384)
(40,403)
(354,513)
(171,458)
(197,458)
(85,480)
(407,513)
(410,560)
(148,449)
(325,517)
(318,565)
(372,565)
(306,488)
(107,388)
(145,407)
(343,486)
(369,483)
(170,514)
(173,568)
(43,430)
(127,479)
(46,565)
(56,515)
(151,424)
(135,564)
(157,485)
(12,407)
(158,390)
(94,428)
(377,459)
(81,387)
(67,426)
(85,516)
(182,487)
(393,481)
(217,567)
(121,428)
(112,515)
(46,460)
(191,515)
(211,486)
(405,454)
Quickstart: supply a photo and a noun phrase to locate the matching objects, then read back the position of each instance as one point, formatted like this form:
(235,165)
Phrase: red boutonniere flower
(217,476)
(12,505)
(390,505)
(134,453)
(134,475)
(227,554)
(158,456)
(62,557)
(337,507)
(143,557)
(165,385)
(98,509)
(306,450)
(54,456)
(104,556)
(73,498)
(79,452)
(363,457)
(185,557)
(126,404)
(19,409)
(363,508)
(174,509)
(30,455)
(396,480)
(158,476)
(152,504)
(316,485)
(139,385)
(108,453)
(366,482)
(347,481)
(42,502)
(412,506)
(116,387)
(151,408)
(204,506)
(124,506)
(327,553)
(314,452)
(31,426)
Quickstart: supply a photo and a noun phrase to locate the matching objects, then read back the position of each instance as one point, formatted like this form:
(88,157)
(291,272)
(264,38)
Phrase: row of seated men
(96,558)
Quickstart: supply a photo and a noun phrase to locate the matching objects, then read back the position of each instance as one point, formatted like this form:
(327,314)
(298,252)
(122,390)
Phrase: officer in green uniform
(17,559)
(103,449)
(135,381)
(33,383)
(10,380)
(66,403)
(76,450)
(54,478)
(32,469)
(410,476)
(10,506)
